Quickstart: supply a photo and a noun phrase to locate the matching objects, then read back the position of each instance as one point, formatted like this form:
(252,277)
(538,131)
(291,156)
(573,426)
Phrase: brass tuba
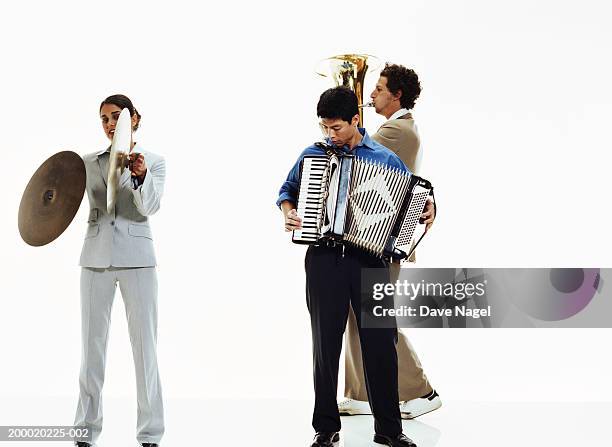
(349,70)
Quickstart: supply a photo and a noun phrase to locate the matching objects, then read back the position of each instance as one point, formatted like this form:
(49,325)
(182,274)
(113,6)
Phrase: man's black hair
(338,103)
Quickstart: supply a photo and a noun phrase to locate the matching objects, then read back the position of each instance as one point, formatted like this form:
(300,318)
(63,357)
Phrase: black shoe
(325,439)
(148,444)
(82,444)
(400,440)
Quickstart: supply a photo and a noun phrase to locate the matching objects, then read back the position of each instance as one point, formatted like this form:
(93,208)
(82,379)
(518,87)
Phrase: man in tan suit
(394,95)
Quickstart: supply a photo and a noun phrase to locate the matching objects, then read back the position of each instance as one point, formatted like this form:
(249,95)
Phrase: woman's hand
(138,165)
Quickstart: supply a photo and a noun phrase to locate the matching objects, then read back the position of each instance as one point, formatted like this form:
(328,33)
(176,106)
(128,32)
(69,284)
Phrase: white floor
(287,423)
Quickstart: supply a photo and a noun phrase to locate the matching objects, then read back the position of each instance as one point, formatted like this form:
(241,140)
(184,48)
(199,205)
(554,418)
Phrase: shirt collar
(396,115)
(103,151)
(366,142)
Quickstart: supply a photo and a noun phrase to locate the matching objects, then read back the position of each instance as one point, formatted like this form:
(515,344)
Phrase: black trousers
(333,282)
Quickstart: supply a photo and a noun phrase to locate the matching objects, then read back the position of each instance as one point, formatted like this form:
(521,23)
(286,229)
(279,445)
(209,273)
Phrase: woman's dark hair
(400,78)
(338,103)
(123,102)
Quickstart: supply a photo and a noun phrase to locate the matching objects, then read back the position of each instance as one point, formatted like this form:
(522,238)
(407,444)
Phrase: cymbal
(119,155)
(52,198)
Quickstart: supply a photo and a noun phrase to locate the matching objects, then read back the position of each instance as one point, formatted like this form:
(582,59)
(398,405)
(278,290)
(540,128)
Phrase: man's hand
(429,214)
(292,221)
(138,165)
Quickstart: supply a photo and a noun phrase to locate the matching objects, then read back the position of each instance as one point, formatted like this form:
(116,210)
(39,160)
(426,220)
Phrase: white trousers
(139,291)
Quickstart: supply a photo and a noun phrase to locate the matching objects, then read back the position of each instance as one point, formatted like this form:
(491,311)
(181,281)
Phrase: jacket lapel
(100,165)
(103,165)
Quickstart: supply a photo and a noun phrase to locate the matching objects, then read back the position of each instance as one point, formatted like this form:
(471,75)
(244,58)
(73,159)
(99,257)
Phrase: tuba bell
(349,70)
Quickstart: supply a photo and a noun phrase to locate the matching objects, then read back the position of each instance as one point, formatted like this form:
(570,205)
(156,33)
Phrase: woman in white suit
(118,249)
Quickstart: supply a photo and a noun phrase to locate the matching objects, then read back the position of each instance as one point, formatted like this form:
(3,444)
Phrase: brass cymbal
(119,157)
(52,198)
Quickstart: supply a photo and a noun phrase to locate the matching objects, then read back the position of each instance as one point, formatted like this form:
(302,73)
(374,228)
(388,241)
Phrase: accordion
(362,203)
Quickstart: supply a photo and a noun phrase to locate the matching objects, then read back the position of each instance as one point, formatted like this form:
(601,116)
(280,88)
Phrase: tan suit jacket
(400,135)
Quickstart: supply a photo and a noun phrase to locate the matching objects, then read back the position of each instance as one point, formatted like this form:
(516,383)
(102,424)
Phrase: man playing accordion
(333,274)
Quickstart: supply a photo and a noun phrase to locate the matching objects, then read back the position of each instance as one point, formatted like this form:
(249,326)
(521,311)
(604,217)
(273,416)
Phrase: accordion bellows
(363,203)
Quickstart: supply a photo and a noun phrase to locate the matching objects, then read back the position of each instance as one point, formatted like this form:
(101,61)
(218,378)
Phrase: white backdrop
(513,119)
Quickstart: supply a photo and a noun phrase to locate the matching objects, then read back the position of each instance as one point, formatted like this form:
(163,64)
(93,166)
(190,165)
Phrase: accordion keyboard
(311,198)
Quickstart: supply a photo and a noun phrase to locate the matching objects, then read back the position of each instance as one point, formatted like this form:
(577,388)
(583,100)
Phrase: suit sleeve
(147,197)
(405,144)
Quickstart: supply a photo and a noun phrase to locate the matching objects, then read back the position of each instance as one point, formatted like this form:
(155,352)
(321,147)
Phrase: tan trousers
(412,381)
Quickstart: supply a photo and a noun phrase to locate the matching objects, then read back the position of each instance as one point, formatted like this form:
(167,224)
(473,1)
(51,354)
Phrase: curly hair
(338,102)
(122,102)
(400,78)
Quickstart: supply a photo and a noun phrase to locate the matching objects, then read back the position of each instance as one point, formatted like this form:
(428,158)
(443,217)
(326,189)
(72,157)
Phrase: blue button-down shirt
(367,149)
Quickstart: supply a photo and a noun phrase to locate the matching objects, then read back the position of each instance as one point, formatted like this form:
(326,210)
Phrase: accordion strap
(329,150)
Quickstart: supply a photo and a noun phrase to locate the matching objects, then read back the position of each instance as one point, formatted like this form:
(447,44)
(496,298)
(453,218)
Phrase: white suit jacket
(122,238)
